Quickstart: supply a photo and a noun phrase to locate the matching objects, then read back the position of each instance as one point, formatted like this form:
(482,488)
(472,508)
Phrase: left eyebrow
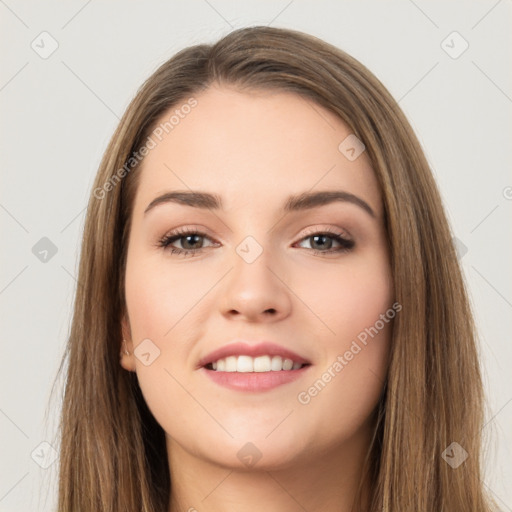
(299,202)
(309,200)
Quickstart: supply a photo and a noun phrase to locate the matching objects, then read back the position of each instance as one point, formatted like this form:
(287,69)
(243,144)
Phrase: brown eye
(189,240)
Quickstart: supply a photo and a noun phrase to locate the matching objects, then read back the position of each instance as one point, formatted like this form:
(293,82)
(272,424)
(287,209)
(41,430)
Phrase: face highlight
(249,223)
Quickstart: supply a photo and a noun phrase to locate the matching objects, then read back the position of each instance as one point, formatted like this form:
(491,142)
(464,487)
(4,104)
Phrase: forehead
(254,149)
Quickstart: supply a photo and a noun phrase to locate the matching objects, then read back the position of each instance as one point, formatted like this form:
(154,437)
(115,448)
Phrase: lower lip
(255,381)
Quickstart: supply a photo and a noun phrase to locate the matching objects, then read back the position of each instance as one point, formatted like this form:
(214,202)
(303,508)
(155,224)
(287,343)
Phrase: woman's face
(259,267)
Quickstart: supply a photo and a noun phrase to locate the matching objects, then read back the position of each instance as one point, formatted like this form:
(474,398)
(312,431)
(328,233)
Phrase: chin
(255,453)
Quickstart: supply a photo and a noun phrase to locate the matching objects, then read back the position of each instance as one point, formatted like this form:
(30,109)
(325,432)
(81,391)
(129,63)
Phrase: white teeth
(262,364)
(244,364)
(230,364)
(277,363)
(287,364)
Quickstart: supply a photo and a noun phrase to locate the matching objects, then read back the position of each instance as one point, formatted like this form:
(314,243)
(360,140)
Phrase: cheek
(341,395)
(160,302)
(350,298)
(145,305)
(349,378)
(160,297)
(368,295)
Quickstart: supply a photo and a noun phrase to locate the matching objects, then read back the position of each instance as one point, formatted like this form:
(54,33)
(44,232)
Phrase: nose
(256,291)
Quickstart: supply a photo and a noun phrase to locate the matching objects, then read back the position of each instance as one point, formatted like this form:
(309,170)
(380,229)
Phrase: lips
(240,348)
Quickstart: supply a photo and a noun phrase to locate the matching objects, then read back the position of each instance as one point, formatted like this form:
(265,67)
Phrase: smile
(249,380)
(245,364)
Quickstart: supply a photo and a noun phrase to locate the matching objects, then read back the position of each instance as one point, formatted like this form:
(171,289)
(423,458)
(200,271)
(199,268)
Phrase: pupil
(322,237)
(190,236)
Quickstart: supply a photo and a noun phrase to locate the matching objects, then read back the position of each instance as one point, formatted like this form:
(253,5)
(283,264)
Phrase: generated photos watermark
(305,397)
(152,141)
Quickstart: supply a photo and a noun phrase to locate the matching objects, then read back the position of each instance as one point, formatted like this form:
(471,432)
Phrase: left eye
(191,239)
(319,239)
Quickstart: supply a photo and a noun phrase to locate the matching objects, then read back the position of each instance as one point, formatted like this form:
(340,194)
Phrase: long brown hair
(112,450)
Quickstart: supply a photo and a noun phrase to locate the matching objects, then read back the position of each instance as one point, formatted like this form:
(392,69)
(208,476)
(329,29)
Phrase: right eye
(191,237)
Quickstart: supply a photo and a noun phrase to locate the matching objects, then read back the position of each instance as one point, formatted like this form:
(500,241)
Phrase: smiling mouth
(260,364)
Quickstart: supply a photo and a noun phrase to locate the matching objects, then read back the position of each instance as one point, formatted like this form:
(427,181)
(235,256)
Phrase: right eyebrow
(195,199)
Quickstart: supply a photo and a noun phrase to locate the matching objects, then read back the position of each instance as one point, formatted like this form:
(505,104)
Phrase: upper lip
(240,348)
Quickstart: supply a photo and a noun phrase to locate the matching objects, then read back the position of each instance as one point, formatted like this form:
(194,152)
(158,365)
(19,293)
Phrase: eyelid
(190,228)
(335,230)
(183,231)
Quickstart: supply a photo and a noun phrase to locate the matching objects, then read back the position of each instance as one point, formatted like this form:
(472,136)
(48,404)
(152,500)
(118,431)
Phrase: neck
(325,481)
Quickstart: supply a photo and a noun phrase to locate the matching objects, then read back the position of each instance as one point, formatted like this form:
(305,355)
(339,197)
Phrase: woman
(220,361)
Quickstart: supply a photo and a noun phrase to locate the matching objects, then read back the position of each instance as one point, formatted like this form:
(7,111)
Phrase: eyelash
(166,241)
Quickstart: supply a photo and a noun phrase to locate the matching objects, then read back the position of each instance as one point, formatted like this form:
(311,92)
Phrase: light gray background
(58,113)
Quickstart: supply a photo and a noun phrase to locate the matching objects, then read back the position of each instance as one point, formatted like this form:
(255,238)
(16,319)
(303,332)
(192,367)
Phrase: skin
(255,150)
